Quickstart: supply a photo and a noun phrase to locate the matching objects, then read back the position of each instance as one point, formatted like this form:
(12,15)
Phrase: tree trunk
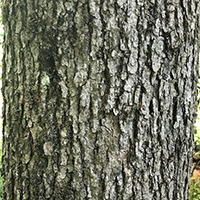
(99,99)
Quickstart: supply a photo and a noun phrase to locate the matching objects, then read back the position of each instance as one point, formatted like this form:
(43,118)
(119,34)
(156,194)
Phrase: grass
(195,190)
(1,179)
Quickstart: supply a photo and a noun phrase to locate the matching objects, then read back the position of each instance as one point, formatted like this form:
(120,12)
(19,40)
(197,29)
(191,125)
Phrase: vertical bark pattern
(99,98)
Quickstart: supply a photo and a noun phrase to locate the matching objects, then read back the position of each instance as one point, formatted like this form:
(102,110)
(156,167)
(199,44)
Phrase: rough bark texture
(99,99)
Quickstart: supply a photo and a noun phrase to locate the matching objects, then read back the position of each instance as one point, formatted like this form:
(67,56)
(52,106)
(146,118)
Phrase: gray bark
(99,99)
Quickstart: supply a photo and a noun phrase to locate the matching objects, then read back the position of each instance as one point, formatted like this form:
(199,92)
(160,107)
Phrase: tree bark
(99,99)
